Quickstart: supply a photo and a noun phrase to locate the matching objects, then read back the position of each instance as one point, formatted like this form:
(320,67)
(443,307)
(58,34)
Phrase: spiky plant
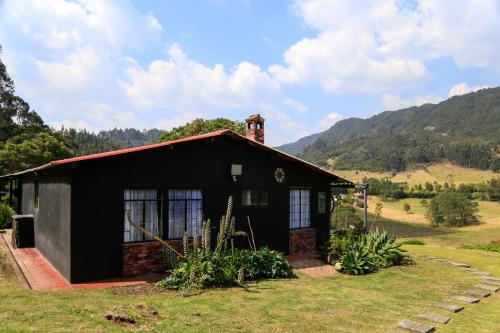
(206,236)
(185,244)
(358,260)
(232,227)
(220,235)
(196,240)
(229,215)
(385,249)
(241,276)
(170,257)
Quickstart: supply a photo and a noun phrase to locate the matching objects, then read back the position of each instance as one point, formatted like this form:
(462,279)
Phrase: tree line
(388,190)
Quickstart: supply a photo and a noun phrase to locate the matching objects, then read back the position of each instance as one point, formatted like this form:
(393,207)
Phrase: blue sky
(302,64)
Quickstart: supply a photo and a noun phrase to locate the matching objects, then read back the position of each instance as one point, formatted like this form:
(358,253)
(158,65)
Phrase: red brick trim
(302,241)
(146,258)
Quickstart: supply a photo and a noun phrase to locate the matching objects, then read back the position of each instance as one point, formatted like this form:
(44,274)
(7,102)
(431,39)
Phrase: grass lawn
(372,303)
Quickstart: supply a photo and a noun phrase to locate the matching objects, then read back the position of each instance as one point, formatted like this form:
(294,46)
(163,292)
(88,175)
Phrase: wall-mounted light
(236,170)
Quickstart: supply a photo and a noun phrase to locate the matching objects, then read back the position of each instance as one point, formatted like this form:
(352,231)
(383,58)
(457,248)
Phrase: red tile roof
(226,132)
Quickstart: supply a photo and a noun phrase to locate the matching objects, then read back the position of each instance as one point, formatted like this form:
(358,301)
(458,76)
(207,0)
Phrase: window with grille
(254,198)
(185,212)
(300,208)
(143,207)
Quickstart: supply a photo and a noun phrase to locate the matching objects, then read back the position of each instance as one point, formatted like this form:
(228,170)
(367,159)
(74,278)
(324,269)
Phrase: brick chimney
(255,128)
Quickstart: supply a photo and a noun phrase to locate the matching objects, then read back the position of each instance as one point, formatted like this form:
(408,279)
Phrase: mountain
(463,129)
(297,147)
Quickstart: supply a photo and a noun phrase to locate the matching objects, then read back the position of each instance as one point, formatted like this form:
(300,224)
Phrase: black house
(80,204)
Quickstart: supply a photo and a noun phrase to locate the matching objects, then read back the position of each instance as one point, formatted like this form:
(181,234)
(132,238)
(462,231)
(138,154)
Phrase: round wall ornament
(279,175)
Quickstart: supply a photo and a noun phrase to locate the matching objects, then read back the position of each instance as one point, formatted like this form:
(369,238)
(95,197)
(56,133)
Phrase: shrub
(357,259)
(452,208)
(263,264)
(412,242)
(362,254)
(202,267)
(407,207)
(204,270)
(5,216)
(345,216)
(338,242)
(385,249)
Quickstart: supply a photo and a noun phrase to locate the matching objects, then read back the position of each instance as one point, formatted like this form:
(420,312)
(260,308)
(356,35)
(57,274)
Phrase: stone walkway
(311,266)
(488,286)
(40,275)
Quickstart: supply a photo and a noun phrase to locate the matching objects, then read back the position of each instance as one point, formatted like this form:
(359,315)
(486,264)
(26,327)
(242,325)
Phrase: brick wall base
(302,241)
(146,258)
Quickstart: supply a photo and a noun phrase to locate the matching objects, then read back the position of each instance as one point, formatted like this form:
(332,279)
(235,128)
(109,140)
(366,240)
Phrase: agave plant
(357,259)
(385,249)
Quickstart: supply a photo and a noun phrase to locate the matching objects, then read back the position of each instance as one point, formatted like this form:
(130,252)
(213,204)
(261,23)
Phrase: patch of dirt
(139,290)
(120,319)
(138,315)
(147,310)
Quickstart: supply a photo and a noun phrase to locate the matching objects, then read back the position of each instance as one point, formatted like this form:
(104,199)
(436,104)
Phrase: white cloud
(73,72)
(185,85)
(462,89)
(331,119)
(177,120)
(295,105)
(394,102)
(66,56)
(381,46)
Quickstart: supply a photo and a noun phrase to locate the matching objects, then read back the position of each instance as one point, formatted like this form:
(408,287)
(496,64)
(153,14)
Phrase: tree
(407,207)
(25,151)
(495,164)
(344,214)
(494,189)
(202,126)
(25,140)
(452,208)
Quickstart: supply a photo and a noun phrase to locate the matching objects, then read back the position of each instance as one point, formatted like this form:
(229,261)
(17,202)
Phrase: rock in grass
(477,293)
(414,326)
(489,287)
(491,278)
(448,306)
(480,273)
(466,299)
(434,317)
(432,257)
(459,264)
(468,269)
(491,282)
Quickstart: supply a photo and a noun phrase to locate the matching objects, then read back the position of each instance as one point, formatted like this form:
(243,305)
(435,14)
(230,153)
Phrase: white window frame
(189,203)
(300,208)
(145,209)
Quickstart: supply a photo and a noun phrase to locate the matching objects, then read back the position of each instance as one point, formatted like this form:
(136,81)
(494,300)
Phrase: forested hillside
(464,130)
(85,142)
